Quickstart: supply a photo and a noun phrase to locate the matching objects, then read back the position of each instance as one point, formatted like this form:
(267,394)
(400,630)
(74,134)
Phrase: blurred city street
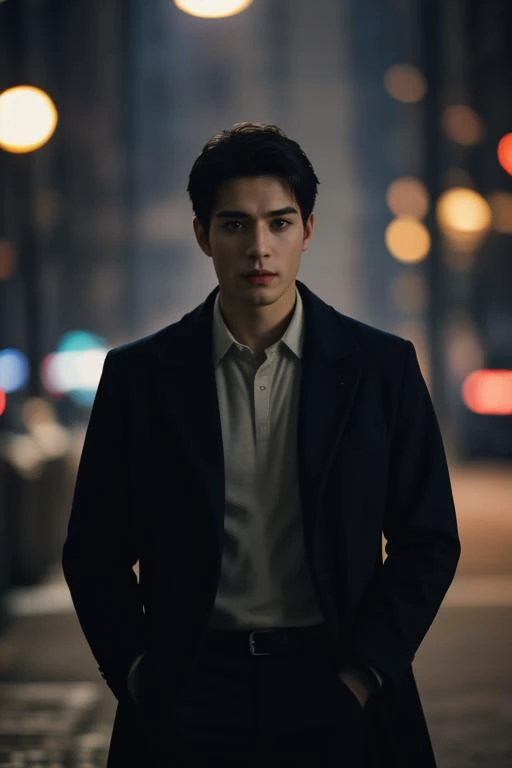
(56,711)
(400,114)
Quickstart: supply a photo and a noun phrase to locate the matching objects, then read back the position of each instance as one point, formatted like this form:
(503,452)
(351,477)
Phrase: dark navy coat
(150,488)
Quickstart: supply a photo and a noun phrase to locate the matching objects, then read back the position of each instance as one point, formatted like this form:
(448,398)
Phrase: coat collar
(186,390)
(326,333)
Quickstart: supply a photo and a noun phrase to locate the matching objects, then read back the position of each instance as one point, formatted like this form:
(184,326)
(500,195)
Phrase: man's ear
(201,237)
(308,231)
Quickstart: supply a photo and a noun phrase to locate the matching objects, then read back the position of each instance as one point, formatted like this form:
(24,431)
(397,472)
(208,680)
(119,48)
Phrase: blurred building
(395,102)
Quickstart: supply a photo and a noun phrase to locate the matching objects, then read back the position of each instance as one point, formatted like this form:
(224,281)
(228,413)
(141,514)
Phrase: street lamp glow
(28,118)
(212,9)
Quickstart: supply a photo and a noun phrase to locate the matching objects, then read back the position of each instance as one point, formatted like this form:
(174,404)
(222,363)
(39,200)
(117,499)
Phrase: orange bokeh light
(501,207)
(405,83)
(407,239)
(407,196)
(6,259)
(505,152)
(463,125)
(489,392)
(3,401)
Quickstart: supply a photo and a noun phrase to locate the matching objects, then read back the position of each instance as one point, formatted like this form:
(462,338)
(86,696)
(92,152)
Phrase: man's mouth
(260,278)
(260,273)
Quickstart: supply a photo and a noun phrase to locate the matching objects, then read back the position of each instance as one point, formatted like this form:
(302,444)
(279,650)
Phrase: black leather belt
(268,642)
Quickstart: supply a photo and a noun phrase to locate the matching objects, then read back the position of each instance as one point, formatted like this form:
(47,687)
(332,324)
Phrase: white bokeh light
(212,9)
(28,119)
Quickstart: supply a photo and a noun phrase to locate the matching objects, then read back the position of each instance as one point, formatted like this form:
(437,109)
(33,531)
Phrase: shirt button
(262,388)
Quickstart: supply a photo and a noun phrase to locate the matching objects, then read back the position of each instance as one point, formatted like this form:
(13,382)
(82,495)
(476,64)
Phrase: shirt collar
(223,339)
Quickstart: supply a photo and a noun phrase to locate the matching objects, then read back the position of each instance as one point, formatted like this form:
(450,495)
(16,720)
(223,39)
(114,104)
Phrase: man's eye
(280,223)
(233,226)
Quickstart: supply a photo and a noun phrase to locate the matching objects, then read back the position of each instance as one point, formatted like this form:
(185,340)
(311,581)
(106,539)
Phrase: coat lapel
(331,369)
(187,399)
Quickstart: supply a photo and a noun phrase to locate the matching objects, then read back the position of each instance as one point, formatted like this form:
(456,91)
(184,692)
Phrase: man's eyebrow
(244,215)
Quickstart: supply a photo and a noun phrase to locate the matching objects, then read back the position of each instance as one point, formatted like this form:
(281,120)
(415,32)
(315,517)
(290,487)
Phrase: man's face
(256,229)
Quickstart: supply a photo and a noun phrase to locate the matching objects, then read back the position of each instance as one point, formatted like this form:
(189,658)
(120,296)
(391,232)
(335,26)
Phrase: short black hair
(250,149)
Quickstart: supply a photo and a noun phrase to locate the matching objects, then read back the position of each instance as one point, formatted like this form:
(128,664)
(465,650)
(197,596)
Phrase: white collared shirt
(265,579)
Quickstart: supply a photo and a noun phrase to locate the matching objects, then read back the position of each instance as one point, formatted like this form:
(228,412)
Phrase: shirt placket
(262,391)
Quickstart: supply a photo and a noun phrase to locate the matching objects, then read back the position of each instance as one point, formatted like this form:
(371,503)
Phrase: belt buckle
(252,642)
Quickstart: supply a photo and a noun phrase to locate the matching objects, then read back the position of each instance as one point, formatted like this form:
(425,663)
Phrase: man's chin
(259,296)
(264,299)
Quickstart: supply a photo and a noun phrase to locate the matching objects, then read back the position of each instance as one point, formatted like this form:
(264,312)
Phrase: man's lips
(263,273)
(261,278)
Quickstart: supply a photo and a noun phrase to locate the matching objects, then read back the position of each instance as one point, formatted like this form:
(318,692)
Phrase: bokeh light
(14,370)
(407,239)
(463,210)
(212,9)
(75,368)
(47,377)
(70,371)
(408,196)
(464,218)
(37,410)
(26,455)
(39,418)
(7,260)
(28,119)
(463,125)
(505,152)
(501,207)
(405,83)
(3,401)
(489,392)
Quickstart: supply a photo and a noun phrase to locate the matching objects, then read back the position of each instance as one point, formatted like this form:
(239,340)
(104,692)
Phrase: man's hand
(358,682)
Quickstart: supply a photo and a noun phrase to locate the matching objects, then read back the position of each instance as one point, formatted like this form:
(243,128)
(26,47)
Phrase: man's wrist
(362,681)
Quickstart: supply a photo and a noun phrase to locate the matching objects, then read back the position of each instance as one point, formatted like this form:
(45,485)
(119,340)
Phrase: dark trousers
(270,711)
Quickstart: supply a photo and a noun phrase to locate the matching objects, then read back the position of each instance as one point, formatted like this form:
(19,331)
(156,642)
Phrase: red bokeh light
(505,152)
(3,401)
(489,392)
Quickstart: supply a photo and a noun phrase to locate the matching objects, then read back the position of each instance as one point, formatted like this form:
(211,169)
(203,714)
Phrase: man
(249,457)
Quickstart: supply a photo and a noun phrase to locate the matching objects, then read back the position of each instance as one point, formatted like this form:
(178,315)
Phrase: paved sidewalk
(57,712)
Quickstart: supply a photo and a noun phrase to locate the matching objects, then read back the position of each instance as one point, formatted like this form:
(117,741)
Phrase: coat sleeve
(101,545)
(421,531)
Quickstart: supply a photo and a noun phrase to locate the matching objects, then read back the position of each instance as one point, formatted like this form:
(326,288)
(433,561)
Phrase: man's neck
(258,327)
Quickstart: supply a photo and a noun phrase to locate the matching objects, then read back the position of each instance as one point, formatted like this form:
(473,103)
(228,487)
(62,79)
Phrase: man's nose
(259,245)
